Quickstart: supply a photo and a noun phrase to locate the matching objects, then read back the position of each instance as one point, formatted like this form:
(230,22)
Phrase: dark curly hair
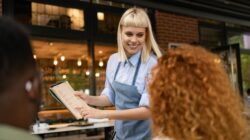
(192,98)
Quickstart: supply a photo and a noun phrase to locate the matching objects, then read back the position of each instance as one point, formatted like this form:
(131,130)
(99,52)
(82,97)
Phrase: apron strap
(136,71)
(117,69)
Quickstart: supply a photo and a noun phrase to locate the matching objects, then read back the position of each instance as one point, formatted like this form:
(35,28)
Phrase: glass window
(61,60)
(111,3)
(244,42)
(49,15)
(57,16)
(107,22)
(245,67)
(237,26)
(102,54)
(228,57)
(210,37)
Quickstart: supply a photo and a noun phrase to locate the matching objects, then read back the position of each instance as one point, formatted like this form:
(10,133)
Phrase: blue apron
(127,97)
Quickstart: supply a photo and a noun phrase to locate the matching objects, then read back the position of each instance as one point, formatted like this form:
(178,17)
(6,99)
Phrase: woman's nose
(133,39)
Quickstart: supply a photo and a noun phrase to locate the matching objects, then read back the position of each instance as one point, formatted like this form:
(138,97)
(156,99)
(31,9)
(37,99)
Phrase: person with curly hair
(191,98)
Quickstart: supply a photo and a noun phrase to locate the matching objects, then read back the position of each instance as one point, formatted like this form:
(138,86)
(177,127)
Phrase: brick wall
(175,29)
(1,7)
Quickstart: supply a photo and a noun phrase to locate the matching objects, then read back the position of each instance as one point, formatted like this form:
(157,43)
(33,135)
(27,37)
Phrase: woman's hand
(82,95)
(93,100)
(90,112)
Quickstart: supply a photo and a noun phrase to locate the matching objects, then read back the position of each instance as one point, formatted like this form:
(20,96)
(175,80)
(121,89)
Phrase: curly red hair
(192,98)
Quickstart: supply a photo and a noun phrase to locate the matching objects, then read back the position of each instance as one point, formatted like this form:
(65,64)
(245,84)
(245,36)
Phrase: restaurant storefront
(72,40)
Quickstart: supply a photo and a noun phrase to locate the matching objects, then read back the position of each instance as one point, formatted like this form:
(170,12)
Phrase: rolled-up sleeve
(108,90)
(144,100)
(145,95)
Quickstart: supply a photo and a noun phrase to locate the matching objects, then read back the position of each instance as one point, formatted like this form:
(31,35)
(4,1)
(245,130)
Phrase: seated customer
(20,83)
(192,98)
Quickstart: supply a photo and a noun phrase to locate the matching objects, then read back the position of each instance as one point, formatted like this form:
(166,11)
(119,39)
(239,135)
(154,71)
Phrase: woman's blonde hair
(191,98)
(137,17)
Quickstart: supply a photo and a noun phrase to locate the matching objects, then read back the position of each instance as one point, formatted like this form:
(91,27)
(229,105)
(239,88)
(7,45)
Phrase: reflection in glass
(102,54)
(228,56)
(245,67)
(244,42)
(111,3)
(57,16)
(210,37)
(107,22)
(49,56)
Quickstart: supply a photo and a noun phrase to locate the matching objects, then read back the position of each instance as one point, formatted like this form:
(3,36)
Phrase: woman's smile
(133,39)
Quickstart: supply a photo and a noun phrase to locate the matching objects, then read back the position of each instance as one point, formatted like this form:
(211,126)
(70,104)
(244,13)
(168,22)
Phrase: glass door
(244,43)
(230,56)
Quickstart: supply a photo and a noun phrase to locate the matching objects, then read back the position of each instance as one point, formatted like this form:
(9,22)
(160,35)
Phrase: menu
(64,93)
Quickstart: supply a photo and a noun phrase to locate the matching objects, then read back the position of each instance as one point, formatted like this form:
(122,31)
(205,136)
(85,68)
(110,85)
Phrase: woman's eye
(129,34)
(140,35)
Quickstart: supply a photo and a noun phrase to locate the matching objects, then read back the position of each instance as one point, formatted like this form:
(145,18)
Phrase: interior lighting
(62,58)
(51,43)
(217,60)
(87,73)
(100,16)
(86,91)
(79,62)
(64,76)
(100,63)
(97,74)
(55,62)
(100,51)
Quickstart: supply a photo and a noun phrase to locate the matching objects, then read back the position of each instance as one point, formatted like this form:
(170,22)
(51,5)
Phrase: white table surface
(75,128)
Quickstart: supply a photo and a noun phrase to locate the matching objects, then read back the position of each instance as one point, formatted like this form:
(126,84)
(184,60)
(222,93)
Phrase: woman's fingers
(83,111)
(88,116)
(89,112)
(80,94)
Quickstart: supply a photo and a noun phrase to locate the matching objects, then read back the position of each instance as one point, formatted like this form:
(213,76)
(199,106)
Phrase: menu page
(65,93)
